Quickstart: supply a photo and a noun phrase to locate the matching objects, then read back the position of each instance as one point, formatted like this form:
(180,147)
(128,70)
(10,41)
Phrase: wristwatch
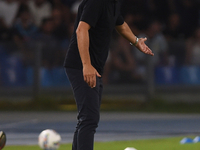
(136,41)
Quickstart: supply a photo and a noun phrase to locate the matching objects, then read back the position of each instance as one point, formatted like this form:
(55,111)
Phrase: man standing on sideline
(86,57)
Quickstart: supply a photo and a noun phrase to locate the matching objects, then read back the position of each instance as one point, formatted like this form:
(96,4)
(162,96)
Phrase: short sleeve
(92,11)
(120,20)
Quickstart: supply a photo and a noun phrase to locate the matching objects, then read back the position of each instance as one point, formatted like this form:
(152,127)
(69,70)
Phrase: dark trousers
(88,101)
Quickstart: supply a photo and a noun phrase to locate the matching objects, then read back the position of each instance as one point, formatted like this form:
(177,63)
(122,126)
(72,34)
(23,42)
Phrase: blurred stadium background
(34,37)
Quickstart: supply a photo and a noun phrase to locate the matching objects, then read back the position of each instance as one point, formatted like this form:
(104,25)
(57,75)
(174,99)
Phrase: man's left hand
(143,47)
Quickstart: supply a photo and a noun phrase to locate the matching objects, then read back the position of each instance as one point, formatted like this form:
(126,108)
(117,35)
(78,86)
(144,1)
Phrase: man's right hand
(89,74)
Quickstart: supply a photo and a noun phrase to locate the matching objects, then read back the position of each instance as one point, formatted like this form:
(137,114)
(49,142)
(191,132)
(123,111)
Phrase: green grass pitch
(152,144)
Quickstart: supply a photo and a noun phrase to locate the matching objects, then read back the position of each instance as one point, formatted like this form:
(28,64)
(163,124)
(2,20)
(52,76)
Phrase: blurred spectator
(134,7)
(137,10)
(68,2)
(24,28)
(50,47)
(157,42)
(175,38)
(57,4)
(159,9)
(189,12)
(74,8)
(24,32)
(20,21)
(71,29)
(65,10)
(40,9)
(5,33)
(193,48)
(135,22)
(23,5)
(8,12)
(60,31)
(120,66)
(173,30)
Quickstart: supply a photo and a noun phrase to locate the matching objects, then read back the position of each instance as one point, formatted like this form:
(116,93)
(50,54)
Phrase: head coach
(85,60)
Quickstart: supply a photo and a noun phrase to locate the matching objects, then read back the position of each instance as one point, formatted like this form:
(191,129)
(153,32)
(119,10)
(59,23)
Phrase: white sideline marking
(16,124)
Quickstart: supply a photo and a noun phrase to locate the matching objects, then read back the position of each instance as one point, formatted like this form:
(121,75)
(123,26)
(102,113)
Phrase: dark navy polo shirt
(102,16)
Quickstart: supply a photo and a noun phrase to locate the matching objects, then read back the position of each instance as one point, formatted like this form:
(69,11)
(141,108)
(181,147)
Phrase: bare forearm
(89,72)
(83,46)
(126,32)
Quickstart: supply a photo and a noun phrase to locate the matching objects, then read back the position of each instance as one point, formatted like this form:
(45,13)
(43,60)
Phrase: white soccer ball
(49,140)
(130,148)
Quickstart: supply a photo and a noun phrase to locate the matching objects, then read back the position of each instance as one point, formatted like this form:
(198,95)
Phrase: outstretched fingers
(144,48)
(149,51)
